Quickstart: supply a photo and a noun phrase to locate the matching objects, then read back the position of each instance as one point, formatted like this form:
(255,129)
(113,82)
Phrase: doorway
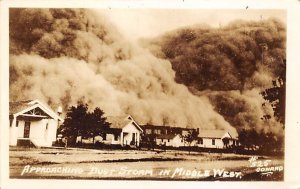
(26,129)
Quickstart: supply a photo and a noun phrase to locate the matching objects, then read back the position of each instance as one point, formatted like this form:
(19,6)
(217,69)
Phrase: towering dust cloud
(65,56)
(231,66)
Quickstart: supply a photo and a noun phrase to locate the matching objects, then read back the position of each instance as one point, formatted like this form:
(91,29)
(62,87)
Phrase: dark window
(104,136)
(17,123)
(10,122)
(116,137)
(47,126)
(168,140)
(201,140)
(213,141)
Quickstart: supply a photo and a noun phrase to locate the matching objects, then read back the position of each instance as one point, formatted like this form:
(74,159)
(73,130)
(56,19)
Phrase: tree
(249,138)
(97,123)
(73,125)
(276,94)
(191,136)
(80,122)
(149,140)
(225,142)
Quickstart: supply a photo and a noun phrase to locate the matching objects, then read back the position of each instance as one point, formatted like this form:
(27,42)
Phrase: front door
(133,139)
(26,129)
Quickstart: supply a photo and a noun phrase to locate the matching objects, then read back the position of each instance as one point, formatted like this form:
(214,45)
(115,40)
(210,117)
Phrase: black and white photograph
(147,94)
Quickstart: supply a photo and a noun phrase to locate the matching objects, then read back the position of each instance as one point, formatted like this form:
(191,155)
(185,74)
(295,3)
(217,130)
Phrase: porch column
(122,138)
(13,132)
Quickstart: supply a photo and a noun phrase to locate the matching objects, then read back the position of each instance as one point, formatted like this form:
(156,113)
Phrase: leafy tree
(276,95)
(80,122)
(225,142)
(74,122)
(97,124)
(249,138)
(149,140)
(191,136)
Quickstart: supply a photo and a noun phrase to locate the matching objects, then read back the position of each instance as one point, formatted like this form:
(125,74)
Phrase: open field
(136,164)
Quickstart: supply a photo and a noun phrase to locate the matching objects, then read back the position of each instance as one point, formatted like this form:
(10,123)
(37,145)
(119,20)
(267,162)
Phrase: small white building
(215,139)
(32,121)
(174,140)
(124,131)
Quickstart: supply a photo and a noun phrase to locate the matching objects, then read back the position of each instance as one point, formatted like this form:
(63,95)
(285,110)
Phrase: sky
(147,23)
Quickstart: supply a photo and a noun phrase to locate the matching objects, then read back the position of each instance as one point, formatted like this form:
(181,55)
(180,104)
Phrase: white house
(215,139)
(175,140)
(32,121)
(123,131)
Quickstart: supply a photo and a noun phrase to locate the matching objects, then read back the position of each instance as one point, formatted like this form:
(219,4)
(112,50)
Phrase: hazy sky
(138,23)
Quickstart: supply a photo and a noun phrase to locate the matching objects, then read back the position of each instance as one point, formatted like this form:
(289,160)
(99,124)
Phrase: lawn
(59,163)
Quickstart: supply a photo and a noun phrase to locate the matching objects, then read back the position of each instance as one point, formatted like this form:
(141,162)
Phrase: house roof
(212,133)
(165,136)
(164,127)
(15,107)
(118,122)
(20,107)
(156,126)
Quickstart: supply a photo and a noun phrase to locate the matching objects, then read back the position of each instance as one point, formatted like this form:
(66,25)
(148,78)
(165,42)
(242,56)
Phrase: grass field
(57,163)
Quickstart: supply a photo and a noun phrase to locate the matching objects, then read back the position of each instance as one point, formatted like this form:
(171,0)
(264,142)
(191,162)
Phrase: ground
(74,163)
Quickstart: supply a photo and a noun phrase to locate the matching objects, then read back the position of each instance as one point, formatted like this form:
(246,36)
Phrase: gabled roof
(118,122)
(15,107)
(166,136)
(212,133)
(21,107)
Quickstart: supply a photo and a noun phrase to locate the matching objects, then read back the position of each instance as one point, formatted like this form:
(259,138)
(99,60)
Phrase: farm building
(32,122)
(215,139)
(166,135)
(174,140)
(123,131)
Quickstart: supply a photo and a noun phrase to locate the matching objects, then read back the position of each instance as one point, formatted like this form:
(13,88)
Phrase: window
(133,136)
(157,131)
(200,141)
(17,123)
(168,140)
(148,131)
(47,126)
(213,141)
(104,136)
(10,122)
(115,137)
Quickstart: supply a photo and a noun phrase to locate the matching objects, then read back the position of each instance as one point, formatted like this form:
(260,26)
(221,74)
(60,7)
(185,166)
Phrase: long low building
(125,131)
(215,139)
(177,137)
